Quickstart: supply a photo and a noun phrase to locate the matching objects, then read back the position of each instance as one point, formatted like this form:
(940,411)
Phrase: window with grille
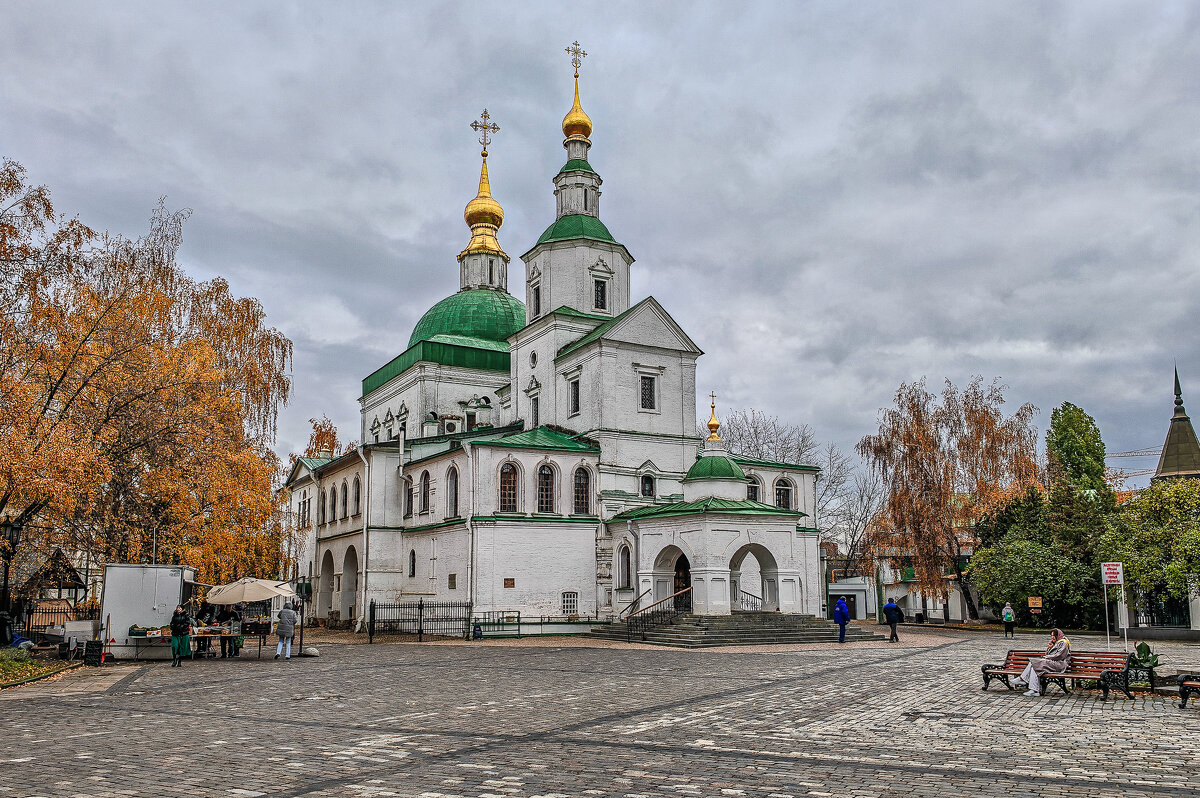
(332,505)
(624,569)
(408,498)
(357,496)
(452,492)
(574,396)
(570,603)
(648,486)
(601,295)
(648,399)
(533,411)
(545,489)
(452,582)
(536,301)
(345,505)
(583,492)
(783,494)
(508,488)
(752,490)
(424,491)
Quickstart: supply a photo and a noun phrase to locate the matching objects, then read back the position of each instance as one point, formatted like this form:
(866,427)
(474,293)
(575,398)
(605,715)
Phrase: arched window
(452,492)
(752,490)
(783,494)
(345,505)
(321,510)
(624,568)
(648,486)
(545,489)
(412,562)
(357,496)
(332,505)
(408,496)
(424,491)
(583,492)
(508,488)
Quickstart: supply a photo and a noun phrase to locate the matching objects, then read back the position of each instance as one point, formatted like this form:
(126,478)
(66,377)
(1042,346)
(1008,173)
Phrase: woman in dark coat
(181,641)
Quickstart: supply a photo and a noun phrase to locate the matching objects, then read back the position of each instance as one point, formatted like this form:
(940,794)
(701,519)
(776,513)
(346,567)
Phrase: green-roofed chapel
(540,458)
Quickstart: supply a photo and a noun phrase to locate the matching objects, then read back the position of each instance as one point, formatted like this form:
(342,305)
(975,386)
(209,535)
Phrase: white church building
(542,457)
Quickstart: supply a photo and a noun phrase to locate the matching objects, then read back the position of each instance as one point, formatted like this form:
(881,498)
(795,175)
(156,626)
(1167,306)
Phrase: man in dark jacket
(894,615)
(841,616)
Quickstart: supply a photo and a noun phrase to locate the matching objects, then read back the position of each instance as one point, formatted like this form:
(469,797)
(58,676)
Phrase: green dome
(475,313)
(715,466)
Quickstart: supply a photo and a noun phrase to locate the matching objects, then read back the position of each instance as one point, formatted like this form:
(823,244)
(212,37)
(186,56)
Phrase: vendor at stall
(227,617)
(181,642)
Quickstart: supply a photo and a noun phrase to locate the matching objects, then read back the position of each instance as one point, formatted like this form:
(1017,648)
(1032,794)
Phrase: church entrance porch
(753,579)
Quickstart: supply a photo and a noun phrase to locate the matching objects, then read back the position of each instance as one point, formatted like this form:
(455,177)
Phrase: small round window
(450,427)
(532,359)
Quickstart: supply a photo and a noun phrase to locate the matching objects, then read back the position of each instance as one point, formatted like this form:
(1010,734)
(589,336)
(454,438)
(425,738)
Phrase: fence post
(420,620)
(371,622)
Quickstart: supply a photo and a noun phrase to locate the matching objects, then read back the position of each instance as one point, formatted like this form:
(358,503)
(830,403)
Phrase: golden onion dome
(576,122)
(483,209)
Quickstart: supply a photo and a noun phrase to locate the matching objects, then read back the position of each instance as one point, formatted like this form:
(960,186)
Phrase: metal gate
(420,618)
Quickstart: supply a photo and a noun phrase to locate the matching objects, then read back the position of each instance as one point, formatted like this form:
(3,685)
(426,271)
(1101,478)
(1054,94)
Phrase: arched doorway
(349,584)
(753,579)
(672,572)
(325,581)
(683,580)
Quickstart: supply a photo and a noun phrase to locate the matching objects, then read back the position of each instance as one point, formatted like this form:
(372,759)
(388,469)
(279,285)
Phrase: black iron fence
(420,618)
(39,618)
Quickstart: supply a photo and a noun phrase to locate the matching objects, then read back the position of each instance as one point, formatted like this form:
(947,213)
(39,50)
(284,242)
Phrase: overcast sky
(831,198)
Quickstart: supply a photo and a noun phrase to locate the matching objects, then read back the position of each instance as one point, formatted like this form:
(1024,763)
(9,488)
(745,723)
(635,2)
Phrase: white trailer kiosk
(145,595)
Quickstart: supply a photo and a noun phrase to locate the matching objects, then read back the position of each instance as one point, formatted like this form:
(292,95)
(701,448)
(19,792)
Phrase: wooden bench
(1188,683)
(1110,669)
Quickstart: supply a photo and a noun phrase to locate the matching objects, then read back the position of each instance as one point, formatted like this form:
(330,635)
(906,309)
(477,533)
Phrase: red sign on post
(1112,573)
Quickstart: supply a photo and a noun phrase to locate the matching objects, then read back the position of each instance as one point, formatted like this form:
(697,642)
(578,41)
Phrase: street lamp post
(10,535)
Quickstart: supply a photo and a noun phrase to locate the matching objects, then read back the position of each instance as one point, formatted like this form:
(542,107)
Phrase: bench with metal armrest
(1110,669)
(1188,683)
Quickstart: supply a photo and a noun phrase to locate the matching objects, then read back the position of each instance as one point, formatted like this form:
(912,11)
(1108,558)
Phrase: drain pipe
(366,511)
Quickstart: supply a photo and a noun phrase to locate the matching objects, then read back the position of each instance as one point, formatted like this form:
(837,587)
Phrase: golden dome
(484,215)
(576,122)
(713,424)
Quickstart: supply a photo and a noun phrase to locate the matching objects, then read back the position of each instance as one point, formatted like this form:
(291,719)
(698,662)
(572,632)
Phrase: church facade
(542,456)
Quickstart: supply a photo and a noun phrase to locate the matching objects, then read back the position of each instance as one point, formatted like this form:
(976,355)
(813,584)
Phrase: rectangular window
(570,603)
(574,396)
(601,295)
(535,301)
(533,411)
(752,491)
(648,398)
(452,582)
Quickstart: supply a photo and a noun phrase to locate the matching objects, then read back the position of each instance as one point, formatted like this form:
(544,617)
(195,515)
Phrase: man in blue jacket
(841,616)
(893,615)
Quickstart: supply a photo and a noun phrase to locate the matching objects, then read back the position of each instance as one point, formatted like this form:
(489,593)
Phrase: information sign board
(1112,573)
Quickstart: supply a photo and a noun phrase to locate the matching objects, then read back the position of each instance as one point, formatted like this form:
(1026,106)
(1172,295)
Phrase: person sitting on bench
(1057,660)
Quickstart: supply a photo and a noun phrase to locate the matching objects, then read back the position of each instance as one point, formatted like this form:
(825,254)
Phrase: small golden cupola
(483,214)
(713,423)
(576,122)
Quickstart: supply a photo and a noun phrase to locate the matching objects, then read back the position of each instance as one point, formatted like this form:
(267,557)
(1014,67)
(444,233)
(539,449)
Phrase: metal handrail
(631,604)
(660,601)
(658,613)
(755,601)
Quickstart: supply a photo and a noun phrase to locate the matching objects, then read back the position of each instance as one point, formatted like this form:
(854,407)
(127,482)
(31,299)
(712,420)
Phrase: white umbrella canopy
(248,589)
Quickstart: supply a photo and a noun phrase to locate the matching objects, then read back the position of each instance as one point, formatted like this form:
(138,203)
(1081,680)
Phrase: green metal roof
(563,310)
(711,505)
(753,461)
(542,438)
(314,463)
(473,313)
(481,355)
(576,226)
(714,467)
(577,165)
(599,331)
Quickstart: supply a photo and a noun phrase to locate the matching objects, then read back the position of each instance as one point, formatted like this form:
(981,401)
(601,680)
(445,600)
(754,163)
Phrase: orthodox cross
(577,55)
(714,399)
(487,127)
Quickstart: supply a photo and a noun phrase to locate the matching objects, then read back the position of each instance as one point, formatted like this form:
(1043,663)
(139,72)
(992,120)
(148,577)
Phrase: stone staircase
(738,629)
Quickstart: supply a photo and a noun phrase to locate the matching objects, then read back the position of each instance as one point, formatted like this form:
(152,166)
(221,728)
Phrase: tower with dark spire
(1180,457)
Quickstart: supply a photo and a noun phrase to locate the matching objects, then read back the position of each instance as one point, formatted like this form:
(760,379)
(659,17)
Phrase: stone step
(741,628)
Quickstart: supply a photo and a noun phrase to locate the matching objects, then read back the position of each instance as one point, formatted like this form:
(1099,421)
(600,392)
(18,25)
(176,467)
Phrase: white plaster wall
(423,388)
(565,274)
(543,560)
(439,553)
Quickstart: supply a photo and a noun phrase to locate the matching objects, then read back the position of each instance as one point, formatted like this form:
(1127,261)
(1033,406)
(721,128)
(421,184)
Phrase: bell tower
(576,262)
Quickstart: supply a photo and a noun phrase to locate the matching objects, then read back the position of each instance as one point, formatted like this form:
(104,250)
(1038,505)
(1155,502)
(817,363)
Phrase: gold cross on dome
(714,399)
(485,124)
(577,55)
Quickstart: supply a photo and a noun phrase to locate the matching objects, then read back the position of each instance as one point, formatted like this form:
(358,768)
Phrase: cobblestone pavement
(551,718)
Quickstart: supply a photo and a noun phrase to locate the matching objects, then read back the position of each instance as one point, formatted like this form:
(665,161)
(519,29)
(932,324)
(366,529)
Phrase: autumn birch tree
(945,463)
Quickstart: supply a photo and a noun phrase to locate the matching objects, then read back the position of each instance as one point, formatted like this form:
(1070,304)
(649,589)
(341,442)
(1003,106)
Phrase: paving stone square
(565,717)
